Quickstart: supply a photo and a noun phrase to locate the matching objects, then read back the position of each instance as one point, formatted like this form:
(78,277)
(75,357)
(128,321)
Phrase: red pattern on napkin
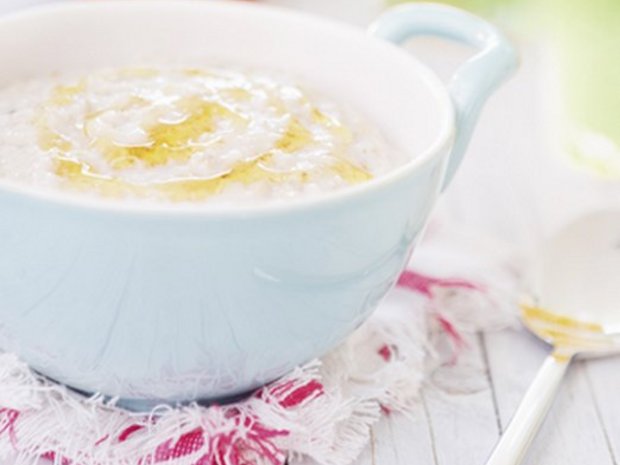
(257,443)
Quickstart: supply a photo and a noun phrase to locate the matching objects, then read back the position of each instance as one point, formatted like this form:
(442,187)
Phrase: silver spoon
(575,307)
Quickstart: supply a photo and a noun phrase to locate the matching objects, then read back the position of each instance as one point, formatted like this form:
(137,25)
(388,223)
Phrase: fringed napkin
(323,410)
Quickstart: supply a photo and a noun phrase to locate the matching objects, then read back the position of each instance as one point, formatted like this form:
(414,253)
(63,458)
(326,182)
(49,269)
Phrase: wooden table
(461,429)
(512,187)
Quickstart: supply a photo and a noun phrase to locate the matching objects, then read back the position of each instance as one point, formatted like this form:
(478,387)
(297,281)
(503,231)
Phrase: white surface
(518,436)
(578,271)
(512,187)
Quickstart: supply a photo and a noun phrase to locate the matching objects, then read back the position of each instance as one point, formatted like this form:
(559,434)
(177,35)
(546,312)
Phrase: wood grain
(401,430)
(572,433)
(463,419)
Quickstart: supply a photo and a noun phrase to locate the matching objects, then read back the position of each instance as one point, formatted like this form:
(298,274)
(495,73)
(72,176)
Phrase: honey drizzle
(565,333)
(333,124)
(531,313)
(350,172)
(64,95)
(172,142)
(84,176)
(295,137)
(179,142)
(52,141)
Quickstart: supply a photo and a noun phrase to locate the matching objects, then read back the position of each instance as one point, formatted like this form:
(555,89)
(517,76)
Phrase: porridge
(181,134)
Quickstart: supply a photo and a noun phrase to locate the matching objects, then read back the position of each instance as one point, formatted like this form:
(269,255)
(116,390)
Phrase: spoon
(575,307)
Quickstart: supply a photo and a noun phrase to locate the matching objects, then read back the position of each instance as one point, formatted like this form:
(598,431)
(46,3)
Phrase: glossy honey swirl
(190,134)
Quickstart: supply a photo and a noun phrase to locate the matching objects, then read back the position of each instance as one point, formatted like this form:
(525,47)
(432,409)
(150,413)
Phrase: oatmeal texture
(183,135)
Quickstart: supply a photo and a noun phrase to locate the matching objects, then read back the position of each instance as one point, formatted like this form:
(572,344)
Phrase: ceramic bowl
(180,303)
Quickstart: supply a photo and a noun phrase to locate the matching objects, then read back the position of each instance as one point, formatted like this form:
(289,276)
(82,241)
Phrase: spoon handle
(529,416)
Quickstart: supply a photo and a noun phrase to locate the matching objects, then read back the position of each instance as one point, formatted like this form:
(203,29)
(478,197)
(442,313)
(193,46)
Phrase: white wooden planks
(413,435)
(583,427)
(463,419)
(603,377)
(572,433)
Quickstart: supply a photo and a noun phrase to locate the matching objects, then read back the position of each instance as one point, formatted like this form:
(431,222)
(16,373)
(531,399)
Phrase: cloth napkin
(323,410)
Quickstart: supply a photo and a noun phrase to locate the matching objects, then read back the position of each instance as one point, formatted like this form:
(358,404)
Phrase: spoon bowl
(574,305)
(578,272)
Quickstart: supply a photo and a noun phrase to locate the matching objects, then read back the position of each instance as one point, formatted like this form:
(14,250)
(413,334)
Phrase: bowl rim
(442,143)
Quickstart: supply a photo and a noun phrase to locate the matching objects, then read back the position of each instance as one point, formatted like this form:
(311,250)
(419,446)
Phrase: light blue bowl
(178,303)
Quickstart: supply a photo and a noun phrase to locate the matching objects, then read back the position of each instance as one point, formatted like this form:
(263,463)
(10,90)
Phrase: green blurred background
(583,37)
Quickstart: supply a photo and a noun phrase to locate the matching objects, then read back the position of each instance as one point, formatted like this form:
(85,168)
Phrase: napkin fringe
(324,410)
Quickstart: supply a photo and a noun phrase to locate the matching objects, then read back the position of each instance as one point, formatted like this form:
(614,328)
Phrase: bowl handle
(476,79)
